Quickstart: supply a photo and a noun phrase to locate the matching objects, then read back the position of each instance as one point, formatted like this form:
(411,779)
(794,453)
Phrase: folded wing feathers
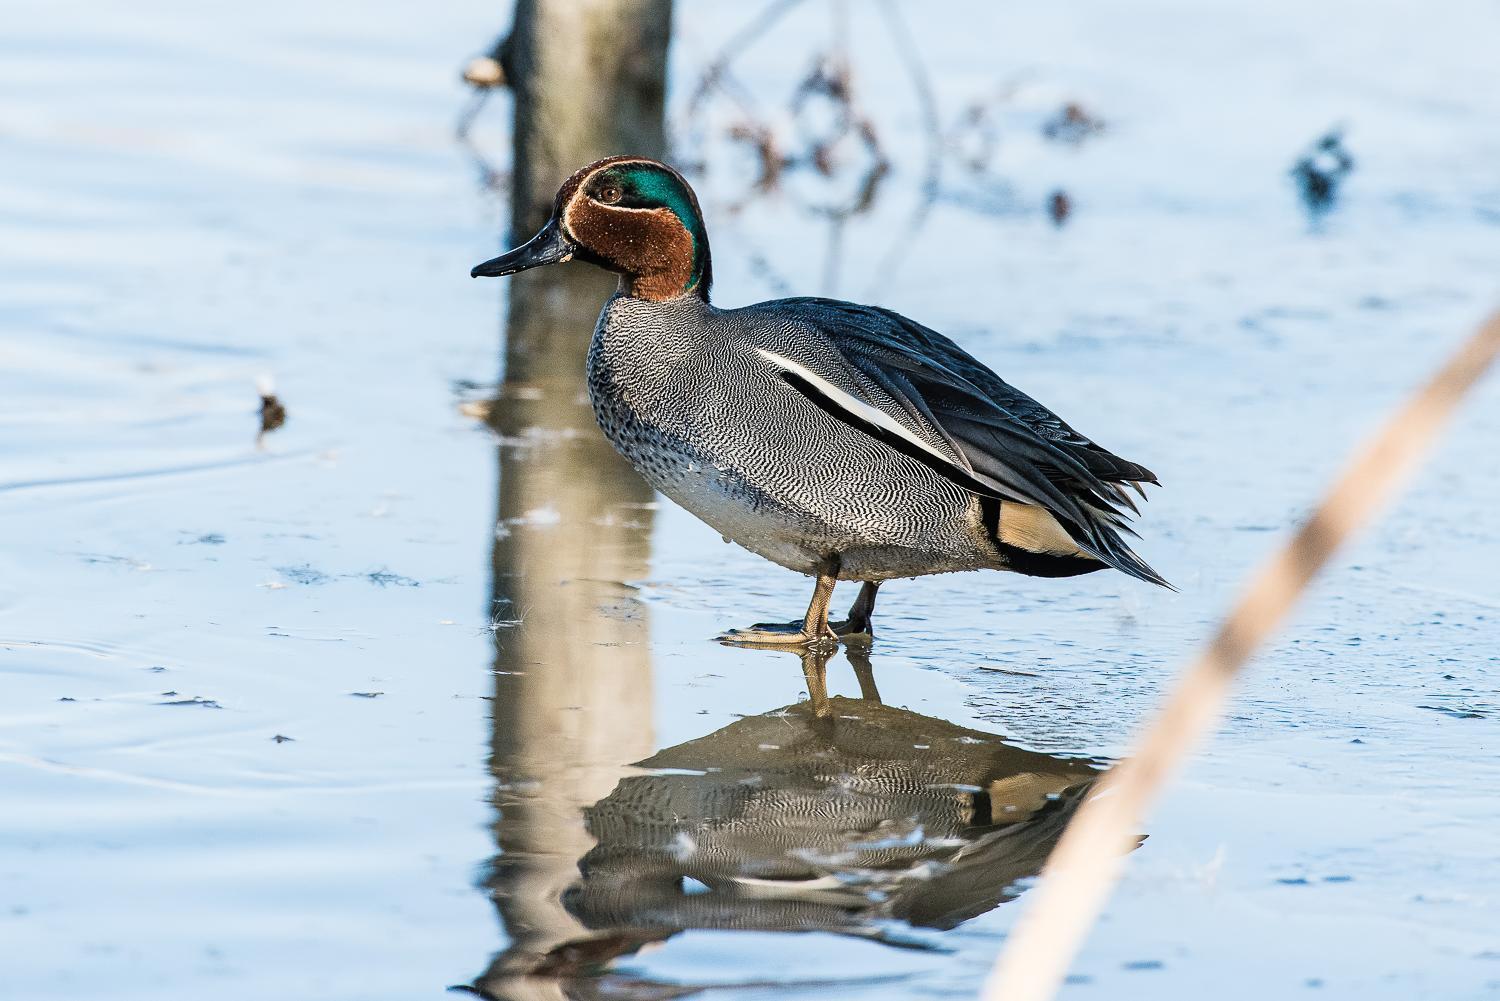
(1032,456)
(934,346)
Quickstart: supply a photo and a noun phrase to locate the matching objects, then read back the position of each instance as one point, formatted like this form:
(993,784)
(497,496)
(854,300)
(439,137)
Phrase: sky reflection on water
(197,197)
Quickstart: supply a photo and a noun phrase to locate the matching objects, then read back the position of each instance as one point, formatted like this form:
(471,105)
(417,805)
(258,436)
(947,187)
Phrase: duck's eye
(611,194)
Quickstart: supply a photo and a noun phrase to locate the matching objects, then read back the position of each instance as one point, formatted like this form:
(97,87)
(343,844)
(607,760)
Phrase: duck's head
(635,217)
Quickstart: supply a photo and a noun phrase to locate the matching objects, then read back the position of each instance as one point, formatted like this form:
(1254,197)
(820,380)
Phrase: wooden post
(572,691)
(590,80)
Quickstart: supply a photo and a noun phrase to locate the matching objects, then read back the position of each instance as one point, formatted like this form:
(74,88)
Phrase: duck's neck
(680,266)
(657,289)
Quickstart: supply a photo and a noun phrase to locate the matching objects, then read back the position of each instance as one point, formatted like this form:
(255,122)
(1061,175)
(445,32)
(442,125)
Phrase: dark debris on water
(196,700)
(304,574)
(207,539)
(384,578)
(1457,711)
(1059,207)
(1321,171)
(272,410)
(1072,124)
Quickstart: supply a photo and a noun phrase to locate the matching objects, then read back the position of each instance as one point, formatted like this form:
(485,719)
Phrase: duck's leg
(812,630)
(864,673)
(857,627)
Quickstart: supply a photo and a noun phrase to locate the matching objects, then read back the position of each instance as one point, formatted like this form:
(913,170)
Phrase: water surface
(400,698)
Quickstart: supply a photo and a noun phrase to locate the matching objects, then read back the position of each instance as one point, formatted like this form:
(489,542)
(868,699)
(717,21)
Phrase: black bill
(549,246)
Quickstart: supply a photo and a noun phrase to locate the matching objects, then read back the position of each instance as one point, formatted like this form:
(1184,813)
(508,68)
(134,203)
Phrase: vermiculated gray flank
(685,391)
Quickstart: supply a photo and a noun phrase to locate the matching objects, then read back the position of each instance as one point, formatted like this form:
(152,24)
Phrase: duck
(840,441)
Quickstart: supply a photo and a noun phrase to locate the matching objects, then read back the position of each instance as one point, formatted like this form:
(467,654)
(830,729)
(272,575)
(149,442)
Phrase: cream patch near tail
(1032,528)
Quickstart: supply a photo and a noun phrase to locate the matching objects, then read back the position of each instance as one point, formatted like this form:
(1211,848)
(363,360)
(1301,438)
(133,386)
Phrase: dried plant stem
(715,73)
(1087,861)
(921,84)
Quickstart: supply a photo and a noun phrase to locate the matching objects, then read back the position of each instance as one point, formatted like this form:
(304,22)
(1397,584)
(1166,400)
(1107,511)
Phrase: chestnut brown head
(633,216)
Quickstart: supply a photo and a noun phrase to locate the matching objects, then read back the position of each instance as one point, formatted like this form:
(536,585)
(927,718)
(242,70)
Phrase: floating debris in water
(105,558)
(1458,711)
(282,738)
(196,700)
(384,578)
(1059,207)
(1072,124)
(304,574)
(272,411)
(1321,171)
(209,539)
(367,695)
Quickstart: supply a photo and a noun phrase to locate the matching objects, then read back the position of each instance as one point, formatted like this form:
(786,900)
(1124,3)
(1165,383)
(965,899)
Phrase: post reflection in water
(835,814)
(572,696)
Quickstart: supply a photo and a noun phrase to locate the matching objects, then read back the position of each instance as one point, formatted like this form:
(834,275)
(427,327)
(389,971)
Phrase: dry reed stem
(1088,859)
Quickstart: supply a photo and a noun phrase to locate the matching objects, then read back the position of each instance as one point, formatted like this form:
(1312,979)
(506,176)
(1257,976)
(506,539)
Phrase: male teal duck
(841,441)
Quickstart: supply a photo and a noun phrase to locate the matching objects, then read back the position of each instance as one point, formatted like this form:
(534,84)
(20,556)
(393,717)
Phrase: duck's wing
(1001,442)
(929,343)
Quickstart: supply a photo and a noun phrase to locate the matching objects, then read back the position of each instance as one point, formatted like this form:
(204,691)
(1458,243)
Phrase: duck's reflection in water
(839,815)
(833,814)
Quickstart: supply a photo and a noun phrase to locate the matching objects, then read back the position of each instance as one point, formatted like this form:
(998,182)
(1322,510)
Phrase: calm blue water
(194,198)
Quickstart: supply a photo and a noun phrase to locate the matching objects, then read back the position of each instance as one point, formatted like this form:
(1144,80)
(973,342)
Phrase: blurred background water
(416,691)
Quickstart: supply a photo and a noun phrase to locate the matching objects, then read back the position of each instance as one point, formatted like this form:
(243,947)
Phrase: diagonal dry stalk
(1087,861)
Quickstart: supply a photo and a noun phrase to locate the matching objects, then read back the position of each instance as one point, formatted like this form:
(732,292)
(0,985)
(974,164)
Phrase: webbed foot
(855,630)
(780,634)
